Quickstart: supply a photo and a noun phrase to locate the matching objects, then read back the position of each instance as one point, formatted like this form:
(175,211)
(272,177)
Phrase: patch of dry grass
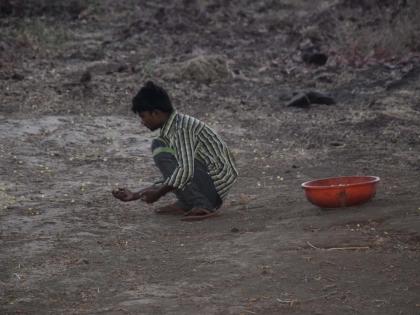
(38,35)
(368,30)
(58,8)
(394,31)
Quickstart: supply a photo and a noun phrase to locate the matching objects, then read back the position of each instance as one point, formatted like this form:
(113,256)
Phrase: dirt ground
(67,138)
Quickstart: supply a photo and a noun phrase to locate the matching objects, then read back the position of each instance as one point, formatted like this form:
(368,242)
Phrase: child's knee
(157,143)
(161,151)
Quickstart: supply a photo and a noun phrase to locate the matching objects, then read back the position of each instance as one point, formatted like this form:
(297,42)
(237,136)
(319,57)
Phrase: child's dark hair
(151,97)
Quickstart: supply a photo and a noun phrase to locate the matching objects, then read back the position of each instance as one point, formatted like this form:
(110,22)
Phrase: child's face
(150,119)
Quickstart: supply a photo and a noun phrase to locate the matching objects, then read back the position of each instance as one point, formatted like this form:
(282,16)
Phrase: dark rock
(312,54)
(319,98)
(17,77)
(306,99)
(6,8)
(299,101)
(83,261)
(160,14)
(86,77)
(234,230)
(122,68)
(316,58)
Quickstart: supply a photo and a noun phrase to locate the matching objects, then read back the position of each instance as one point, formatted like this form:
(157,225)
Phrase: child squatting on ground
(195,162)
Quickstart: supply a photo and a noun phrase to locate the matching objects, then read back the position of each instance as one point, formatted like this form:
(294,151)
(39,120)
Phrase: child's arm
(152,194)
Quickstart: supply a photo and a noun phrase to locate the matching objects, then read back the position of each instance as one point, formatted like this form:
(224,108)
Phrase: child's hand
(123,194)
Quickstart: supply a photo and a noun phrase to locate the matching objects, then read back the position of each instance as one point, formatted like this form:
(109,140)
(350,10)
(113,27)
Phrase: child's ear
(156,112)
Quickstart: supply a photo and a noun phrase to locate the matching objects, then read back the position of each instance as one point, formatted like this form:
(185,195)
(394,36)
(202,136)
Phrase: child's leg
(203,183)
(200,192)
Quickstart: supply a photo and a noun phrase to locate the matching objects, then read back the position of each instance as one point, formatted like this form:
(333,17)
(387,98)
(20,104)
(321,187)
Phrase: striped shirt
(190,138)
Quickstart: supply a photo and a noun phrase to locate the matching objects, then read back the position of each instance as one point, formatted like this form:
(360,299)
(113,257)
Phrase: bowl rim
(369,180)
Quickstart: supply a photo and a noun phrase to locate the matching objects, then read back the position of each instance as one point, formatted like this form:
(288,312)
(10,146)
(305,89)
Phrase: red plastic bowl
(341,191)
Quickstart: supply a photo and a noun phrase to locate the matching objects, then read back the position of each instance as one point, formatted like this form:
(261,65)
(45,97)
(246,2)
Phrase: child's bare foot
(170,209)
(197,214)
